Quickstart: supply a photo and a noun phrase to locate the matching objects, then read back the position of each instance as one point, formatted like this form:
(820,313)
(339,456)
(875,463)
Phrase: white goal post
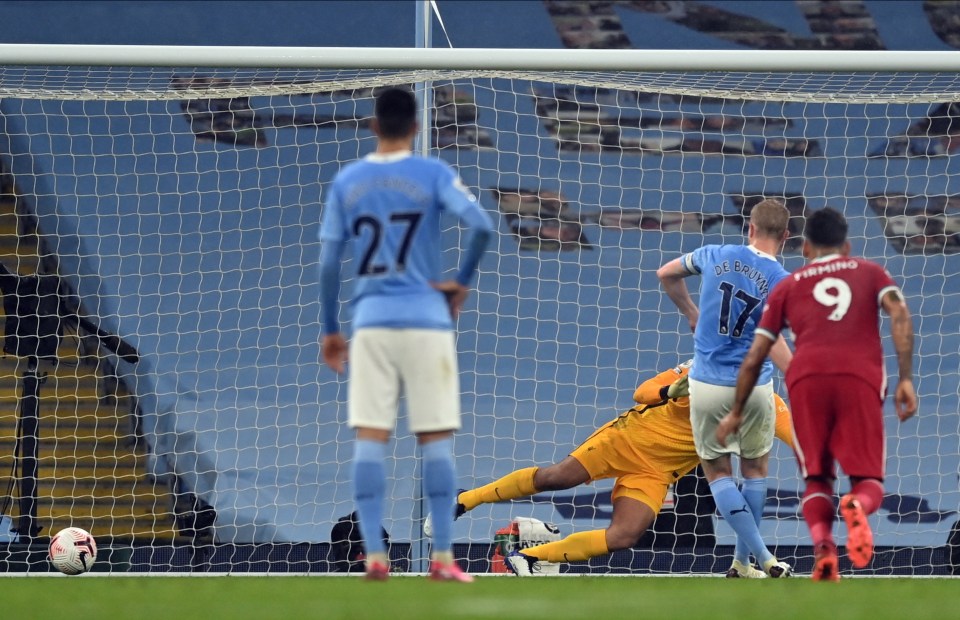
(179,190)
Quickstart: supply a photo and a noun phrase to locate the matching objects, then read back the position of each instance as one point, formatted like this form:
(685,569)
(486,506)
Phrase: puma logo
(744,509)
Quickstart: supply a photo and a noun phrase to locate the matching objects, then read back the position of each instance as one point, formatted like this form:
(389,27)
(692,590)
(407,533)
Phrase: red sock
(870,493)
(819,511)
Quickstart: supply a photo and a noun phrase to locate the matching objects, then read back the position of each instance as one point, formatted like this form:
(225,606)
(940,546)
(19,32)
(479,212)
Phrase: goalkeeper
(646,449)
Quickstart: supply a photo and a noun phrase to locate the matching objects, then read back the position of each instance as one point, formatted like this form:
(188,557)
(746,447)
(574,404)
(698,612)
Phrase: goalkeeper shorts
(642,461)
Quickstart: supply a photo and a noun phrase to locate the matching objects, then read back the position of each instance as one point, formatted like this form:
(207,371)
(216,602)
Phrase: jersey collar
(823,259)
(388,158)
(761,253)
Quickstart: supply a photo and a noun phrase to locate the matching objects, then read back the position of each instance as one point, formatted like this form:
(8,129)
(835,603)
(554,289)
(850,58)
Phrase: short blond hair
(770,218)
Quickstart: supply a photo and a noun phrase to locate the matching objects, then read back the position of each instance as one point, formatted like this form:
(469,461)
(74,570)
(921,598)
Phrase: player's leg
(708,404)
(630,520)
(440,484)
(429,373)
(372,410)
(566,474)
(858,442)
(605,454)
(644,469)
(369,488)
(634,510)
(819,513)
(815,412)
(756,441)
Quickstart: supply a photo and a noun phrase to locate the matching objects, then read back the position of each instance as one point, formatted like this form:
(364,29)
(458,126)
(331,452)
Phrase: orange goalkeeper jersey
(648,447)
(670,419)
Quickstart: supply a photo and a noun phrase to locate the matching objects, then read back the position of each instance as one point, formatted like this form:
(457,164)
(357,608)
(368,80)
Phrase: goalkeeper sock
(754,491)
(513,485)
(369,486)
(440,484)
(735,510)
(819,511)
(574,548)
(870,493)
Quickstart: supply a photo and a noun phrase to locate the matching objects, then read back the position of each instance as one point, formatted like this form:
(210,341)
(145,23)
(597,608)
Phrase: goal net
(178,202)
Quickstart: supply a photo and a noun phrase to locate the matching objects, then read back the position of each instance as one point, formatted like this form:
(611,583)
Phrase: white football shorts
(709,403)
(420,363)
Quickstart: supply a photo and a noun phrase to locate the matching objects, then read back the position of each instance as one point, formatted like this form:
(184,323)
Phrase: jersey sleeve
(884,284)
(695,261)
(333,225)
(650,392)
(773,321)
(457,198)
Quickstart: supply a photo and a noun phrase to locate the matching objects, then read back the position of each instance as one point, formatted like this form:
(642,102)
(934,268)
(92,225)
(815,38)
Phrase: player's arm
(334,345)
(671,277)
(656,390)
(458,199)
(901,328)
(780,354)
(332,244)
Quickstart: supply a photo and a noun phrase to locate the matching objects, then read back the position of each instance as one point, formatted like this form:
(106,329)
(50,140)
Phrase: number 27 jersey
(832,305)
(390,207)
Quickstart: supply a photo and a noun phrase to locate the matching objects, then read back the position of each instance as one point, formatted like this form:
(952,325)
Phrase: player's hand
(334,349)
(455,293)
(679,388)
(729,425)
(905,399)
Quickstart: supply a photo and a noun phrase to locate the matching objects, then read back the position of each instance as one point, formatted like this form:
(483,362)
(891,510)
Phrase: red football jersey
(832,305)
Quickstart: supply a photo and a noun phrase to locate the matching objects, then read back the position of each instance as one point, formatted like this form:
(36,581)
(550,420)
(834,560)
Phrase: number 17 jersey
(833,308)
(735,281)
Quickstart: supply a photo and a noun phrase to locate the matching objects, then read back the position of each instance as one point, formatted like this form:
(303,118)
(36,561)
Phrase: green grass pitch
(502,598)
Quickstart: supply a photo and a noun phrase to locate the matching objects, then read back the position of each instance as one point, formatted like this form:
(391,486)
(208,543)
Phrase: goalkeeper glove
(679,388)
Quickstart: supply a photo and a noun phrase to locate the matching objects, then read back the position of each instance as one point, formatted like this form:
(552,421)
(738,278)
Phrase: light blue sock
(440,484)
(754,491)
(369,488)
(735,510)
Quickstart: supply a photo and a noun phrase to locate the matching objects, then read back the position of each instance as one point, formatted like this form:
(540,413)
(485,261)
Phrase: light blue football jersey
(735,283)
(389,208)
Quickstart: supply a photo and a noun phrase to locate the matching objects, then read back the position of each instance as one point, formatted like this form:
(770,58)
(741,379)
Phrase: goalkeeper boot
(859,535)
(458,511)
(739,570)
(440,571)
(377,571)
(777,569)
(826,564)
(522,565)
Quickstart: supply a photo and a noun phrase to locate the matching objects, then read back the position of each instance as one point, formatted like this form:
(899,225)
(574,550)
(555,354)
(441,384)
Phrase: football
(73,551)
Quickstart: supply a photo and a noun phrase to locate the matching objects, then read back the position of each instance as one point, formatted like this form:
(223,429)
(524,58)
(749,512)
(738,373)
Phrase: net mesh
(180,206)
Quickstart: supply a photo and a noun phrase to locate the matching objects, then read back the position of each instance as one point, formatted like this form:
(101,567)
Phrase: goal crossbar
(125,72)
(478,58)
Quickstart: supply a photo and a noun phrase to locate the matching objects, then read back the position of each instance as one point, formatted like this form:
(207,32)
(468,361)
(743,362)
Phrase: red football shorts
(838,418)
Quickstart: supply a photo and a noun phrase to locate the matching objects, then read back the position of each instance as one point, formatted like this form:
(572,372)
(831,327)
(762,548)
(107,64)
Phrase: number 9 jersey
(832,305)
